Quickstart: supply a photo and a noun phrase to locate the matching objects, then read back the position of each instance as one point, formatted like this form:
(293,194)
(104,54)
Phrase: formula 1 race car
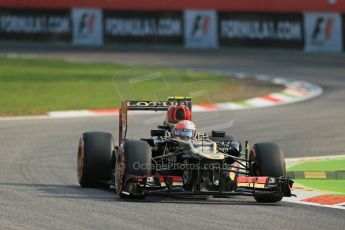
(178,160)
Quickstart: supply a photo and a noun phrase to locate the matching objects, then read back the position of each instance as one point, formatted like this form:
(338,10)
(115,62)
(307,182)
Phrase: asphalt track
(38,185)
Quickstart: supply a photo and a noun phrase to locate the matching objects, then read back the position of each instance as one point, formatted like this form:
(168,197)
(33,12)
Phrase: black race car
(177,160)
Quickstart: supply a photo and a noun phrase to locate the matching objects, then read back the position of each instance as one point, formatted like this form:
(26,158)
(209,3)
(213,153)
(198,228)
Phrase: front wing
(244,186)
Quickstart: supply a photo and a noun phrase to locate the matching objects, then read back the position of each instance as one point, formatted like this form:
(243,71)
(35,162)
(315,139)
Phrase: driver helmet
(184,130)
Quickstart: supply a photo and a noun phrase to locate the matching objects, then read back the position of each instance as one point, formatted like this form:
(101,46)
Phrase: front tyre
(94,159)
(267,160)
(132,162)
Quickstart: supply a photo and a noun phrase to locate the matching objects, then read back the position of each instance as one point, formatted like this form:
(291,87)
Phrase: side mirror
(218,133)
(158,133)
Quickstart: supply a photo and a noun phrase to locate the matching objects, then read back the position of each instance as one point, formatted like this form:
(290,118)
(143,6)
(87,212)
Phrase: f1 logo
(323,29)
(201,25)
(323,32)
(201,29)
(86,24)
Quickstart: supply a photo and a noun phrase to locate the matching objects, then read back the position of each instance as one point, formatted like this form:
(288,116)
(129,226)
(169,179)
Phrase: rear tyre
(94,160)
(132,162)
(268,160)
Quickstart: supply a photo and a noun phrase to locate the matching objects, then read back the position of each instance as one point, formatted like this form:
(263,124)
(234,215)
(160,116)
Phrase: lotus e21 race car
(178,160)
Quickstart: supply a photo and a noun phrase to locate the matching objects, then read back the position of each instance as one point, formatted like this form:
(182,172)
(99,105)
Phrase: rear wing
(147,106)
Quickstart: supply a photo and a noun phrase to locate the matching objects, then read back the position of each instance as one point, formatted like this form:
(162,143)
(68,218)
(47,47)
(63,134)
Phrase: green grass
(36,86)
(326,185)
(324,165)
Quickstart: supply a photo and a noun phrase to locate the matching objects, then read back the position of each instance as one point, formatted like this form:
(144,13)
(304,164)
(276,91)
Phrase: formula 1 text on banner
(143,27)
(261,29)
(35,25)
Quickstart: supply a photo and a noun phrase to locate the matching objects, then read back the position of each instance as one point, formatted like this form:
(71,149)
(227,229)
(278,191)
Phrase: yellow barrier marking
(315,175)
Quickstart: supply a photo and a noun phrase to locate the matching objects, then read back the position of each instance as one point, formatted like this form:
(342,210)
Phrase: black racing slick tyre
(95,159)
(133,161)
(267,160)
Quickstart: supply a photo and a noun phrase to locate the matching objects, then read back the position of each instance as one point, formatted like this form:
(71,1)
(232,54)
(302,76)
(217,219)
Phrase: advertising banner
(255,29)
(200,29)
(143,27)
(20,24)
(323,32)
(87,26)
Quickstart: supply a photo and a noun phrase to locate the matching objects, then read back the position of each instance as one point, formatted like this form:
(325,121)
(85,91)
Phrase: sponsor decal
(152,104)
(35,24)
(201,29)
(147,27)
(323,32)
(87,26)
(280,30)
